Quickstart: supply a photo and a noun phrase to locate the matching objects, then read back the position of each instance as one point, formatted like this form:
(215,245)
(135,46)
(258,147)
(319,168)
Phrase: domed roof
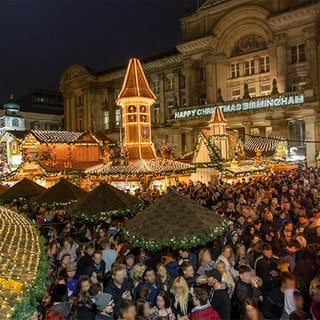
(11,105)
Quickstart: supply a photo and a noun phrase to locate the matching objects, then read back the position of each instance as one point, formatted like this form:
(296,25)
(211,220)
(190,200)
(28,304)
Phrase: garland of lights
(24,266)
(100,216)
(175,242)
(214,155)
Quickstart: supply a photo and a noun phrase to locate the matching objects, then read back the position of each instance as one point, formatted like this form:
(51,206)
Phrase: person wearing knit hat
(104,303)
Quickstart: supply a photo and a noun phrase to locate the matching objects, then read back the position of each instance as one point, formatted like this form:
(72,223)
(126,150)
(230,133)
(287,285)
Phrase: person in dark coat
(96,264)
(266,268)
(151,281)
(273,305)
(85,260)
(218,294)
(307,268)
(119,286)
(246,287)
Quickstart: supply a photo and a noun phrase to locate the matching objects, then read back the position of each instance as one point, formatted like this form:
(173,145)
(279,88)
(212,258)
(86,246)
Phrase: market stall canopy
(173,222)
(3,189)
(140,168)
(105,201)
(61,194)
(24,189)
(23,269)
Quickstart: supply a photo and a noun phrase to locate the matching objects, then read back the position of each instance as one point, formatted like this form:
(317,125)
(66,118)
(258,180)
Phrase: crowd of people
(265,266)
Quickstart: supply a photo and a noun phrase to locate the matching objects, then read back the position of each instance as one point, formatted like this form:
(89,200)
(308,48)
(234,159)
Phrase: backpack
(55,315)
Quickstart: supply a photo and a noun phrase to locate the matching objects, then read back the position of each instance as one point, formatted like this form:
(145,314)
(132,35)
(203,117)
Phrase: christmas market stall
(220,154)
(23,269)
(137,161)
(50,155)
(274,152)
(103,202)
(173,222)
(63,193)
(24,190)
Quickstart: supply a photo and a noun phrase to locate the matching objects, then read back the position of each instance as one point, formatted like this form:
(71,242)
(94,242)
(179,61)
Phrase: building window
(235,94)
(183,102)
(156,86)
(182,81)
(202,74)
(116,93)
(298,53)
(170,103)
(298,84)
(170,84)
(78,101)
(235,70)
(264,64)
(252,91)
(118,118)
(265,90)
(106,120)
(184,143)
(156,113)
(249,67)
(203,98)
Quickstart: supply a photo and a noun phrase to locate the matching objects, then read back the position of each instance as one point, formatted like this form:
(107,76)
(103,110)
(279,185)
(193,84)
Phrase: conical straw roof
(105,201)
(62,193)
(173,222)
(24,189)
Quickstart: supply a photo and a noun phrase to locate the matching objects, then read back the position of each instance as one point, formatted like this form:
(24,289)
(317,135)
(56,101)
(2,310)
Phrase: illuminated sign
(241,106)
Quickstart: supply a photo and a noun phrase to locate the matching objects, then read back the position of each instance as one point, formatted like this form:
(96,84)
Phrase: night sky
(40,39)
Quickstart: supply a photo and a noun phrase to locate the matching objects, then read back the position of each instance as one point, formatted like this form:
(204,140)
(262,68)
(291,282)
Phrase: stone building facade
(257,59)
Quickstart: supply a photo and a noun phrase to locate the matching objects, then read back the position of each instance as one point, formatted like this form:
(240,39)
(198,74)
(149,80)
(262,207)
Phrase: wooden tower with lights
(135,99)
(218,132)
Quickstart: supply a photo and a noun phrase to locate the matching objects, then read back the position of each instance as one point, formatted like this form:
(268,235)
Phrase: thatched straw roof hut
(24,189)
(3,189)
(105,201)
(61,194)
(173,222)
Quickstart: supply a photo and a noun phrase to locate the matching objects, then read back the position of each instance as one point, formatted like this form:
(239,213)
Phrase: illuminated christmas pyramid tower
(136,99)
(281,151)
(218,132)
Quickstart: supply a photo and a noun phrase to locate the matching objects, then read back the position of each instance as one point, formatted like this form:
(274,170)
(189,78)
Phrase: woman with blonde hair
(205,262)
(227,256)
(226,276)
(181,300)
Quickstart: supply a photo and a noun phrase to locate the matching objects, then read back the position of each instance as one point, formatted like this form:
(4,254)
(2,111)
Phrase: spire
(135,83)
(217,116)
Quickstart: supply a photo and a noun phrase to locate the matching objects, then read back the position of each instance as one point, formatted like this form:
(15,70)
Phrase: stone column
(88,112)
(262,131)
(281,56)
(221,71)
(310,136)
(162,99)
(311,56)
(177,87)
(189,66)
(247,128)
(211,86)
(73,117)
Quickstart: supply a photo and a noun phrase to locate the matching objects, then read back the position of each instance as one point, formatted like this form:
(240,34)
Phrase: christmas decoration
(173,222)
(23,267)
(103,202)
(61,194)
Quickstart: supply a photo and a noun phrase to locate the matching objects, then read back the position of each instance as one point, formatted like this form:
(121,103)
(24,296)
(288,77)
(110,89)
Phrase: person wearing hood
(218,294)
(61,307)
(202,309)
(104,303)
